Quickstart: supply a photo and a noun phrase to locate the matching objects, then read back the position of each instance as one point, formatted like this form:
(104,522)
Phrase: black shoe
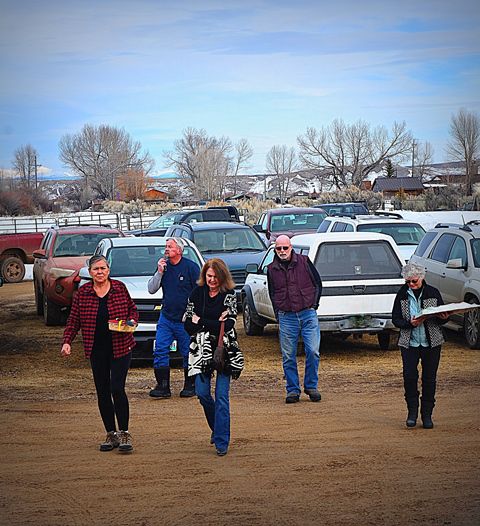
(221,452)
(427,421)
(314,394)
(412,417)
(212,441)
(292,398)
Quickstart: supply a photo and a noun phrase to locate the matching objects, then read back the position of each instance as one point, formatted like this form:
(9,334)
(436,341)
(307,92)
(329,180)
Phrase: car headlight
(61,272)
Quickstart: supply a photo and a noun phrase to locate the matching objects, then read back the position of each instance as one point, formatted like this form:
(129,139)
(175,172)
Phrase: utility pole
(36,172)
(413,157)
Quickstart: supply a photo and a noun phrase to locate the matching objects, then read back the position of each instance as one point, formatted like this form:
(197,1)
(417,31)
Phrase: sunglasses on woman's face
(411,281)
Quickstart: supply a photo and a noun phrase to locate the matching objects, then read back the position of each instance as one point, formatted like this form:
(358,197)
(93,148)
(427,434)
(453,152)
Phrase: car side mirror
(40,254)
(258,228)
(252,268)
(84,274)
(456,263)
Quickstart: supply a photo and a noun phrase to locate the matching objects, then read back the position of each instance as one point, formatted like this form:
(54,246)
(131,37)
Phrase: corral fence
(17,225)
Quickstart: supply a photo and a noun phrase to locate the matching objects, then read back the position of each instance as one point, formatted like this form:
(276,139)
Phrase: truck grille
(148,310)
(239,277)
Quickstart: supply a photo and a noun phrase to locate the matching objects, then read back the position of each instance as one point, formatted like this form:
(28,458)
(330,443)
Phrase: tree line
(112,165)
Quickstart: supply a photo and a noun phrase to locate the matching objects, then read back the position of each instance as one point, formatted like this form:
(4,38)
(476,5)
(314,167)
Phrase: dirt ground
(348,460)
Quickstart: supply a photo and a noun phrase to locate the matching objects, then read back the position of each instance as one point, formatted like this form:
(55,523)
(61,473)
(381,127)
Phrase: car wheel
(52,315)
(471,327)
(13,269)
(38,298)
(251,328)
(385,340)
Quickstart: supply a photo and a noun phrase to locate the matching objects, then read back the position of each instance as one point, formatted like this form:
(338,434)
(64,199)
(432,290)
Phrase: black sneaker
(314,395)
(125,439)
(292,398)
(111,441)
(221,452)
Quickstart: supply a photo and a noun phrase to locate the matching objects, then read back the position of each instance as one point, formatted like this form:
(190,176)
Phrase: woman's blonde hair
(224,277)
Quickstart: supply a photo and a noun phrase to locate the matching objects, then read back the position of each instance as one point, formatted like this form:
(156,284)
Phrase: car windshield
(476,252)
(228,240)
(78,244)
(354,260)
(140,260)
(167,219)
(403,234)
(296,222)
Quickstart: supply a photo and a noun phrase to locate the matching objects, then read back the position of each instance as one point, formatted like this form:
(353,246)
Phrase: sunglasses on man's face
(411,281)
(282,248)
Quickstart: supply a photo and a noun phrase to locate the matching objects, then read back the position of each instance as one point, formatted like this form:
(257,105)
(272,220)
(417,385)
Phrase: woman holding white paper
(420,340)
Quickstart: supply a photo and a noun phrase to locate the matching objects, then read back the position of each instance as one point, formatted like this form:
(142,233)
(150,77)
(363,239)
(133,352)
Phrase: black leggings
(110,375)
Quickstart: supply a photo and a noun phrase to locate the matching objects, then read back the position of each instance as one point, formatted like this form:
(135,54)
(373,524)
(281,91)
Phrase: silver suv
(406,234)
(451,257)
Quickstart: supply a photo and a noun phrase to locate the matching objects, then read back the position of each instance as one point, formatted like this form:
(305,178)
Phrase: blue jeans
(167,331)
(292,325)
(216,411)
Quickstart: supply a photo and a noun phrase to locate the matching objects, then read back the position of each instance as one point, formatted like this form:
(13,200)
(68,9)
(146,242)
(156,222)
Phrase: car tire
(386,340)
(251,328)
(38,299)
(52,315)
(13,269)
(471,327)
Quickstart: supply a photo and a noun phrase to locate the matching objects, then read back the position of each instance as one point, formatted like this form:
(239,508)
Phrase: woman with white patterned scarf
(210,305)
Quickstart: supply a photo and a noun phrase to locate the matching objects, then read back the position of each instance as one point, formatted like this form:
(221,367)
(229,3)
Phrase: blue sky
(264,70)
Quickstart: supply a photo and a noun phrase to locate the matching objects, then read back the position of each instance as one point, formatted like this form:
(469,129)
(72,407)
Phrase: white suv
(451,257)
(360,274)
(407,234)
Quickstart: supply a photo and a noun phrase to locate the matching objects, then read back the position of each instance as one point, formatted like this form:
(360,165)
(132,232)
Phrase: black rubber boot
(412,416)
(426,412)
(189,385)
(162,389)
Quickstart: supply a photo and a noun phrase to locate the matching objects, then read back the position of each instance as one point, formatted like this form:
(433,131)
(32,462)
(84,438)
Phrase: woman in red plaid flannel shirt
(109,352)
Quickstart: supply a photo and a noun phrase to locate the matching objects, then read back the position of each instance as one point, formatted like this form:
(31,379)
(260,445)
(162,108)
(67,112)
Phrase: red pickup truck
(15,251)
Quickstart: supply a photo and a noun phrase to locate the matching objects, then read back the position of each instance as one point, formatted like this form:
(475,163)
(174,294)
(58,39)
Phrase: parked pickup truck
(360,272)
(15,251)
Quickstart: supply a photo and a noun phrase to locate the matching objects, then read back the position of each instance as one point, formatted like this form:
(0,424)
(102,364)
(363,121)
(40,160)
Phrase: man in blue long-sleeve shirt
(177,276)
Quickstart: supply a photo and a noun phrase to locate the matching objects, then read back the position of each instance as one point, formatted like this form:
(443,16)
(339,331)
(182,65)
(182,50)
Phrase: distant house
(390,186)
(154,195)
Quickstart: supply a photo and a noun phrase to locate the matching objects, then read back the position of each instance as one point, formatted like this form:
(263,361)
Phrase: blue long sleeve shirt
(177,282)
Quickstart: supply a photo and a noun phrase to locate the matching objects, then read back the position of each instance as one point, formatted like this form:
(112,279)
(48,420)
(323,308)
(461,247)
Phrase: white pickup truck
(360,274)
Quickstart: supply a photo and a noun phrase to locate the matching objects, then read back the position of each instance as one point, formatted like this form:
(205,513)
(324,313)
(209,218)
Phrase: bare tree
(133,185)
(352,151)
(101,154)
(424,157)
(282,161)
(203,162)
(24,164)
(464,143)
(243,153)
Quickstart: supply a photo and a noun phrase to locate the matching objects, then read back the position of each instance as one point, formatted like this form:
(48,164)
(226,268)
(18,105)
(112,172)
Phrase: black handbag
(220,353)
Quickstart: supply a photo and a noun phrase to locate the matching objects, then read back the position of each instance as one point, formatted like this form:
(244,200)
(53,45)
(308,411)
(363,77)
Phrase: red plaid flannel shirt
(83,315)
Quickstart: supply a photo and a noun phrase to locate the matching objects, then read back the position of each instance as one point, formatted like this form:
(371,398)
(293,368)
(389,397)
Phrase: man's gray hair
(178,241)
(412,270)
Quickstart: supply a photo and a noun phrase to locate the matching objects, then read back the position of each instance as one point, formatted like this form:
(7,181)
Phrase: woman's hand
(443,315)
(66,349)
(195,318)
(223,316)
(416,321)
